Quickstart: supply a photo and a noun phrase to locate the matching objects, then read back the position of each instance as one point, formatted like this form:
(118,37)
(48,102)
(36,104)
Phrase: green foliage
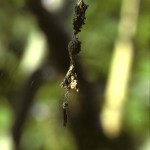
(43,128)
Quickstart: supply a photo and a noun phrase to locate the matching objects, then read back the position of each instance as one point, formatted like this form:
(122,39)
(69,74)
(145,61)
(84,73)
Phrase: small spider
(70,81)
(74,84)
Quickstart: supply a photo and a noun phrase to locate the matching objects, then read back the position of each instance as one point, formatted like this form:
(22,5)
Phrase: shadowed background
(34,58)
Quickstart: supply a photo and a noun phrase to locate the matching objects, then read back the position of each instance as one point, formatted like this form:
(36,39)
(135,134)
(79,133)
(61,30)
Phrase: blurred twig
(26,96)
(120,71)
(57,38)
(56,35)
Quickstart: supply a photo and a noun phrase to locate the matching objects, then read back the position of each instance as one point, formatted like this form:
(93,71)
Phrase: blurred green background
(34,59)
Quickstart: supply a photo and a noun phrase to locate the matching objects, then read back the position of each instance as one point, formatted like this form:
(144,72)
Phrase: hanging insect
(65,116)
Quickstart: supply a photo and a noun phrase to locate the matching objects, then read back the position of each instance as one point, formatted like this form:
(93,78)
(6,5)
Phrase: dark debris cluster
(79,17)
(74,47)
(70,81)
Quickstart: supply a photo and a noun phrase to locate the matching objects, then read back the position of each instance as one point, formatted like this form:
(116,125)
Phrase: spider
(74,84)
